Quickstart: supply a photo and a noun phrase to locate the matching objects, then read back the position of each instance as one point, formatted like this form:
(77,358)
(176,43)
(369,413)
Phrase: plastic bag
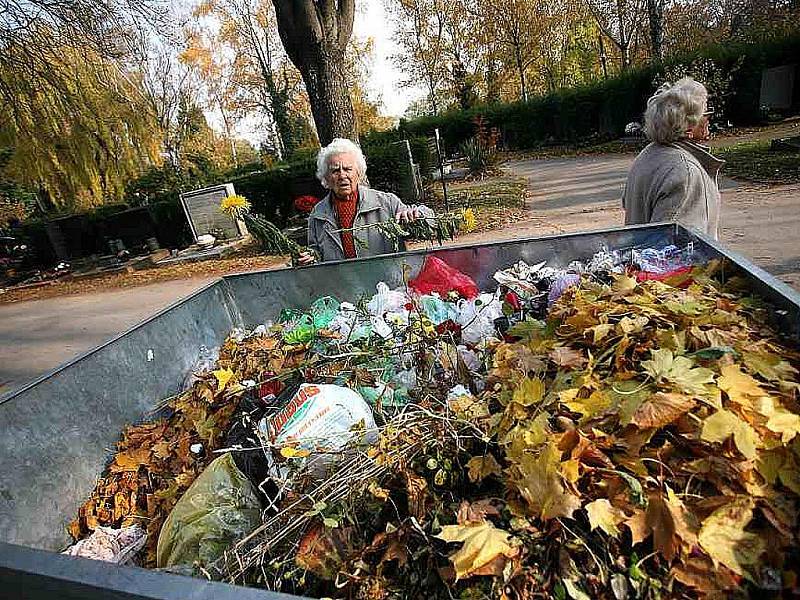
(477,316)
(386,301)
(561,285)
(667,260)
(349,324)
(437,310)
(322,419)
(437,276)
(219,508)
(323,311)
(206,360)
(117,546)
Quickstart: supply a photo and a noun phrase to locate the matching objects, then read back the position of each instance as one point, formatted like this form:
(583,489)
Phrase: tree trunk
(523,92)
(325,79)
(655,12)
(315,34)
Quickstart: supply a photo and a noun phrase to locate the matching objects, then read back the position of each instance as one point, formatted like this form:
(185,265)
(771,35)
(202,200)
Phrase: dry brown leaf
(661,409)
(481,467)
(475,512)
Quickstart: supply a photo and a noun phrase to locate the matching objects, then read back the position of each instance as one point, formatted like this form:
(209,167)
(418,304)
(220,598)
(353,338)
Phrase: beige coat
(373,207)
(674,182)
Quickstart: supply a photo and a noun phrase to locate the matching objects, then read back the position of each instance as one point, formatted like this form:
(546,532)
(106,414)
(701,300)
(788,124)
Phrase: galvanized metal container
(56,433)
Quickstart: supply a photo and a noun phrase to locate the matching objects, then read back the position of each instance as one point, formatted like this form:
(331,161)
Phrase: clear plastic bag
(219,508)
(206,360)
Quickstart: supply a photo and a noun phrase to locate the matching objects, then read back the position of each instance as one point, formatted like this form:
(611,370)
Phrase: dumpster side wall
(58,433)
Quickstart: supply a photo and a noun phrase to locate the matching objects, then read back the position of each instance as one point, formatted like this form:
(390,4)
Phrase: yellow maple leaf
(784,422)
(740,387)
(541,487)
(770,366)
(223,377)
(605,516)
(723,538)
(678,370)
(596,403)
(480,467)
(529,391)
(723,424)
(483,543)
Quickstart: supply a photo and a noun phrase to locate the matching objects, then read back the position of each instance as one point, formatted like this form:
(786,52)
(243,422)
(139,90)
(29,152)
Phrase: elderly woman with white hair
(338,225)
(675,177)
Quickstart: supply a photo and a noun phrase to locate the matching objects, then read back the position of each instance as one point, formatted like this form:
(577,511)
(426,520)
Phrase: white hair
(673,109)
(339,146)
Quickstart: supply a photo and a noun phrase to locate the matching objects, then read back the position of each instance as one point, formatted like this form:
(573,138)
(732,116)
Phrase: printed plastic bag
(117,546)
(321,419)
(220,507)
(437,276)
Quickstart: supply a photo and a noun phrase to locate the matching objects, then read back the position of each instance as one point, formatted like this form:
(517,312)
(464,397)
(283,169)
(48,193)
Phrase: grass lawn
(496,200)
(754,161)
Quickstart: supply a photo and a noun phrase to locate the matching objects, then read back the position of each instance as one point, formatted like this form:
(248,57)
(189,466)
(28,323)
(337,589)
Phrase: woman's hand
(407,215)
(306,258)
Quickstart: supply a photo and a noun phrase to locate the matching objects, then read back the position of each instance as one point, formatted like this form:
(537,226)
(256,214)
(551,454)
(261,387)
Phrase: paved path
(37,336)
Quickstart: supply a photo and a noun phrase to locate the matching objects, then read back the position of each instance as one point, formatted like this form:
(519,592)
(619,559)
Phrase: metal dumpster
(57,433)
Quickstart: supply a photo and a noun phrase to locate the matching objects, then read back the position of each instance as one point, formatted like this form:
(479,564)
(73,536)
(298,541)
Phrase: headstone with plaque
(202,211)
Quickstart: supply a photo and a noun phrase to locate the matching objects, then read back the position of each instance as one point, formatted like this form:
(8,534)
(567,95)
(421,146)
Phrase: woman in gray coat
(338,226)
(675,177)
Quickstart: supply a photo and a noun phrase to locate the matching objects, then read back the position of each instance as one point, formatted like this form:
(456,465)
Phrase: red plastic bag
(679,278)
(437,276)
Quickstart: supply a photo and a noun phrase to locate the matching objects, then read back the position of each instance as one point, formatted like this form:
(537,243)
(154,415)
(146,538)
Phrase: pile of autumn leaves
(154,464)
(648,440)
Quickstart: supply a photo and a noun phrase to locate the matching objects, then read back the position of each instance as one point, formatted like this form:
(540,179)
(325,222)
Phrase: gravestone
(777,86)
(202,211)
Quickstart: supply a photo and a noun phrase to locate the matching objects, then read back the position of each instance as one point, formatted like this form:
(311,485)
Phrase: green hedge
(600,111)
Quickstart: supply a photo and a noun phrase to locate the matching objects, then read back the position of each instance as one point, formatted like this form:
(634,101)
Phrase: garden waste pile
(623,428)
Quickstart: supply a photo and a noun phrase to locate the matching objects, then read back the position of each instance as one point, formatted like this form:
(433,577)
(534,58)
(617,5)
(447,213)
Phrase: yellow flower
(470,221)
(233,206)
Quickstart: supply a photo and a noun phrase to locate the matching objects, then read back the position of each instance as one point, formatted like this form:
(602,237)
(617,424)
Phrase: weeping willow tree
(71,110)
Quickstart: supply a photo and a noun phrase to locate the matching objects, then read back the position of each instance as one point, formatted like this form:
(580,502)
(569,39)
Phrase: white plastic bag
(117,546)
(477,316)
(387,300)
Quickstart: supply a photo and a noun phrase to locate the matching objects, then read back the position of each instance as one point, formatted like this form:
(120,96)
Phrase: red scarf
(346,213)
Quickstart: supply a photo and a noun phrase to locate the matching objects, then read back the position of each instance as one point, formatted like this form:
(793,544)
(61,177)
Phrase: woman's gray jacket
(674,182)
(373,207)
